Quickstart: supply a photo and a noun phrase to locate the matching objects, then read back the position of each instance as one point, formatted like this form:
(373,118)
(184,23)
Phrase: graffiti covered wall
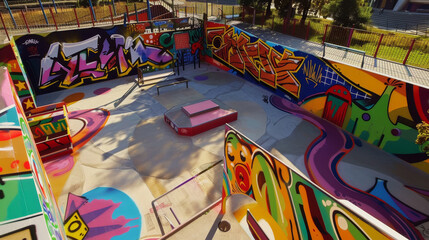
(297,208)
(8,59)
(28,209)
(63,60)
(378,109)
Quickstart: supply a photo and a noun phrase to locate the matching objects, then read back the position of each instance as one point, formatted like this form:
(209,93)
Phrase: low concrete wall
(381,110)
(28,208)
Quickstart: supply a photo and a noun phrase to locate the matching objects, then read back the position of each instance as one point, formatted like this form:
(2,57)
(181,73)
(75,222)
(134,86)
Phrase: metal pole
(272,24)
(409,51)
(92,17)
(25,21)
(128,14)
(10,13)
(114,8)
(149,12)
(172,8)
(4,26)
(350,37)
(137,15)
(111,15)
(324,35)
(293,29)
(308,30)
(77,19)
(43,11)
(53,18)
(55,6)
(92,10)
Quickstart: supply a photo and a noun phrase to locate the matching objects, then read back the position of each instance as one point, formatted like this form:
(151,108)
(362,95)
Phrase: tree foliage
(258,5)
(347,13)
(284,8)
(423,136)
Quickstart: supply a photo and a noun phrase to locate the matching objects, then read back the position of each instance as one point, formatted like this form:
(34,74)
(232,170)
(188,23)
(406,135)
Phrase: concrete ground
(135,158)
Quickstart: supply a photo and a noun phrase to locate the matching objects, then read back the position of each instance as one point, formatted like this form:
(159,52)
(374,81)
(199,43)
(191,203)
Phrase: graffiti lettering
(313,73)
(261,61)
(69,64)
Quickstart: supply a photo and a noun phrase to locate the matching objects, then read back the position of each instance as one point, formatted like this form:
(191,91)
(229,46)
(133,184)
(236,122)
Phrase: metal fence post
(111,15)
(137,15)
(285,22)
(172,8)
(128,14)
(77,19)
(324,34)
(409,51)
(43,11)
(378,45)
(4,26)
(308,30)
(53,18)
(55,6)
(272,26)
(349,41)
(114,7)
(149,12)
(94,18)
(25,20)
(10,13)
(293,29)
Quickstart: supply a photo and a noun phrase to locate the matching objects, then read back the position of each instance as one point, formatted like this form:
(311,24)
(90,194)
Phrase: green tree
(259,5)
(304,7)
(284,7)
(347,13)
(317,6)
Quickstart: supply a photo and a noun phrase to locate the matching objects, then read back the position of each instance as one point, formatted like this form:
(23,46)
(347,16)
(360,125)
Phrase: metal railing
(403,49)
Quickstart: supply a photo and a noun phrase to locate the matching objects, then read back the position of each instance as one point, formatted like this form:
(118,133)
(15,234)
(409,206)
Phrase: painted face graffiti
(299,208)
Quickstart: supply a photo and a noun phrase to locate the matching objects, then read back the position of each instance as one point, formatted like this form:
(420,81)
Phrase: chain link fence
(403,49)
(389,46)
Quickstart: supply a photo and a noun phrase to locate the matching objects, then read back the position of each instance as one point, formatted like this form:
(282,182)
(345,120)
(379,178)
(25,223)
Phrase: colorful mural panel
(20,81)
(102,213)
(55,62)
(25,193)
(299,207)
(378,109)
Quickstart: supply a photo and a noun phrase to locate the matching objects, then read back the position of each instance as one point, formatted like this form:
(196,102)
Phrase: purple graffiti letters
(94,58)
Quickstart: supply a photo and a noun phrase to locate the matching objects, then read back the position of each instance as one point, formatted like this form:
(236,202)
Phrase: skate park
(130,175)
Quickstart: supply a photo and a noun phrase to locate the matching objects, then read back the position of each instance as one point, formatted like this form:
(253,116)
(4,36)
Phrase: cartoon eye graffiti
(230,152)
(242,177)
(244,153)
